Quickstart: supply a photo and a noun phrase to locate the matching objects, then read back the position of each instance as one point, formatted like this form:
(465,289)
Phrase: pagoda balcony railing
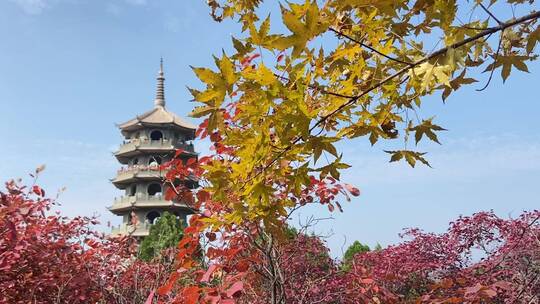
(161,144)
(140,229)
(142,200)
(139,198)
(138,168)
(138,171)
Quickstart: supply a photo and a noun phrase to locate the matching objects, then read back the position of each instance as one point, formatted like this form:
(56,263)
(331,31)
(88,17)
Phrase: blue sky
(71,69)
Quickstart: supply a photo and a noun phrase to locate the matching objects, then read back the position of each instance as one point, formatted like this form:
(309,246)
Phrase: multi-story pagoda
(149,140)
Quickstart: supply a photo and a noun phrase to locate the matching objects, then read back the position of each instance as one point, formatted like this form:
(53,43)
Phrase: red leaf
(191,295)
(203,196)
(367,281)
(150,297)
(502,285)
(206,277)
(247,61)
(12,231)
(170,194)
(472,290)
(490,293)
(242,266)
(352,189)
(38,191)
(235,289)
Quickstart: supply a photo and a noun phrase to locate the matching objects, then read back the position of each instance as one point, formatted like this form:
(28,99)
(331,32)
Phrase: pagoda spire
(160,91)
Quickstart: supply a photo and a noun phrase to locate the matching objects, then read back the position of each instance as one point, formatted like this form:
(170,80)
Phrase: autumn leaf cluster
(295,86)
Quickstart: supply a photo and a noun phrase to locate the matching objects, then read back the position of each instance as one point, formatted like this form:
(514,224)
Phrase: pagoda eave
(119,209)
(142,125)
(125,182)
(124,157)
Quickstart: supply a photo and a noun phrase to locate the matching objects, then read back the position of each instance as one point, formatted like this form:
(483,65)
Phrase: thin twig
(490,14)
(367,46)
(494,63)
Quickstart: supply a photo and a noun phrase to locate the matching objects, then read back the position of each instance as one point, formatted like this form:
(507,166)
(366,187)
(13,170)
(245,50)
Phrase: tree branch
(490,14)
(354,99)
(367,46)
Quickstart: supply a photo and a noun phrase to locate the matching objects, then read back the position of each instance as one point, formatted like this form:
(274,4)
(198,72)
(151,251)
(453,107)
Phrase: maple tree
(277,106)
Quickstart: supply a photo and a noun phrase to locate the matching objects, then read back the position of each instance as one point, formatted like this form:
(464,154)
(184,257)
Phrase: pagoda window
(156,135)
(132,190)
(154,161)
(154,189)
(152,217)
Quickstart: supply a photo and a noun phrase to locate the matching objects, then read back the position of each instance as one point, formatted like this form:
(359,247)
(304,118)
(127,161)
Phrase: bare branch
(490,14)
(367,46)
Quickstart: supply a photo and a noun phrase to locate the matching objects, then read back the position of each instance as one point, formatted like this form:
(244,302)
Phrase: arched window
(156,135)
(154,189)
(132,190)
(152,217)
(154,160)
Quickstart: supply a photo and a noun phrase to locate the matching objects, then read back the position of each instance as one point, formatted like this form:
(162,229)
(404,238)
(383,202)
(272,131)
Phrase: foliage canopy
(355,248)
(275,108)
(342,69)
(164,234)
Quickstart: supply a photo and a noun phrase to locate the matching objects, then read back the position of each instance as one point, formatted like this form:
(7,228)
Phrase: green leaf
(426,128)
(410,156)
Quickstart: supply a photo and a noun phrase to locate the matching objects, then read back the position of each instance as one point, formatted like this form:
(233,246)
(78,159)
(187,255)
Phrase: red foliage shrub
(480,258)
(47,258)
(312,276)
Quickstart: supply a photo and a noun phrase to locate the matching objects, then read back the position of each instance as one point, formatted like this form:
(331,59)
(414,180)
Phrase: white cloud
(473,173)
(471,158)
(32,7)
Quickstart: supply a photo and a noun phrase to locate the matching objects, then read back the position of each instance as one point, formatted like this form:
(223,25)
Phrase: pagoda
(150,139)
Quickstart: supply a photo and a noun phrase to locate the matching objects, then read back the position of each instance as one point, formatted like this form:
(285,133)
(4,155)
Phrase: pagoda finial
(160,91)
